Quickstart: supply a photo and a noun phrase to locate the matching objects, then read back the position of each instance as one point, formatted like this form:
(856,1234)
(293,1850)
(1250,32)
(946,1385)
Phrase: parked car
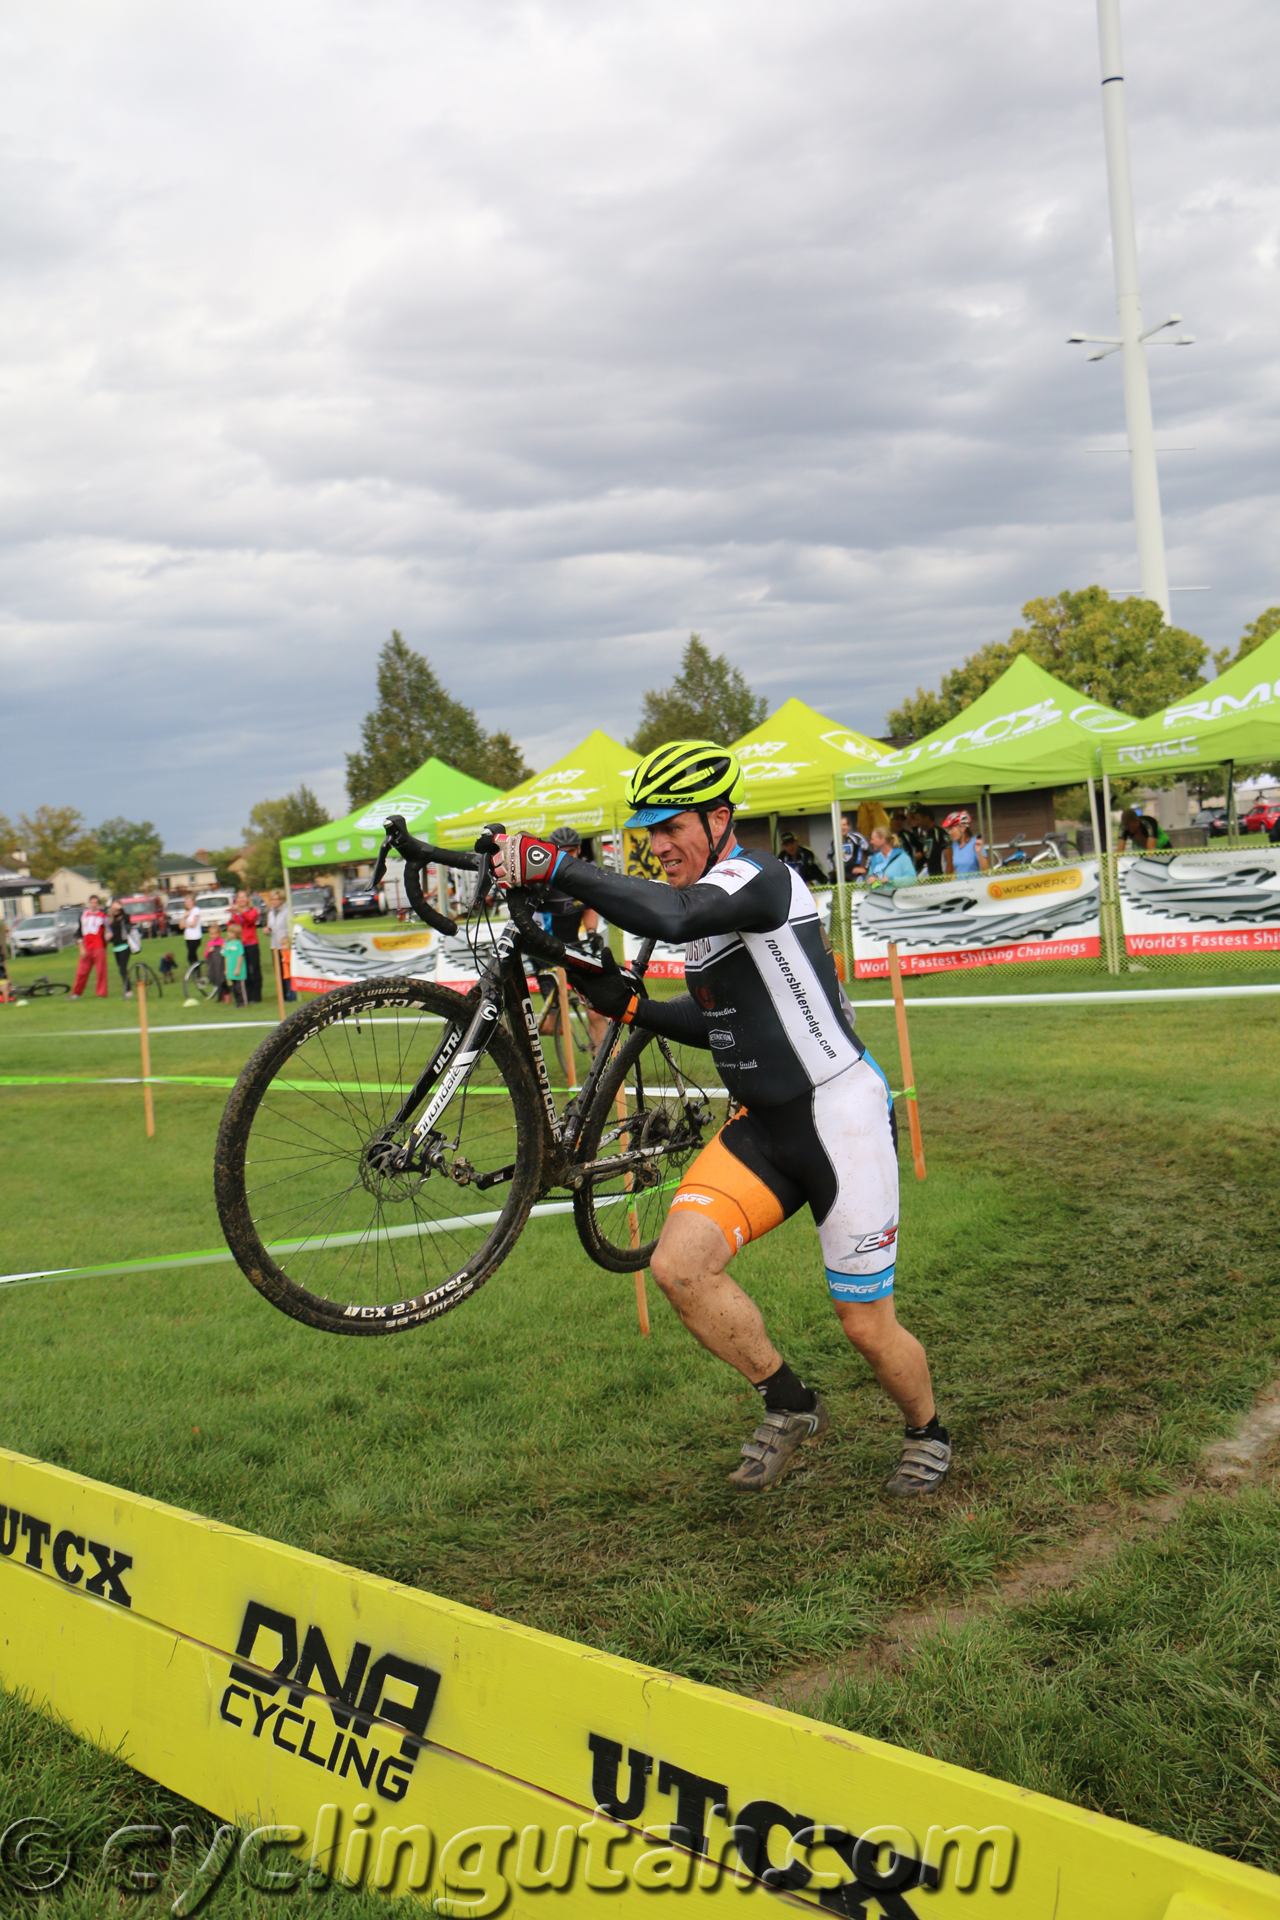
(317,901)
(1264,816)
(215,908)
(175,907)
(145,915)
(1213,820)
(360,898)
(43,932)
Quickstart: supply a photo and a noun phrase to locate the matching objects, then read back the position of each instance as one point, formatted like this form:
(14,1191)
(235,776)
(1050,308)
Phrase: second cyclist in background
(578,926)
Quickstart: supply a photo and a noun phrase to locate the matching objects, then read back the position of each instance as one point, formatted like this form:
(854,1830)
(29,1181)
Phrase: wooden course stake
(566,1031)
(275,955)
(147,1102)
(904,1049)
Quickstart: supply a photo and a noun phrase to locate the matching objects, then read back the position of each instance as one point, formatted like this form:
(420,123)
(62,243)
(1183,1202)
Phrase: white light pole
(1131,345)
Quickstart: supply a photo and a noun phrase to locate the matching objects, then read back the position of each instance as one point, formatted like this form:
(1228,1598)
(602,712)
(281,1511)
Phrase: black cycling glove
(606,986)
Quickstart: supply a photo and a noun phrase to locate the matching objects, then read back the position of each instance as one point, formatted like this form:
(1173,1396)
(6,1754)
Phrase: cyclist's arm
(681,1020)
(738,897)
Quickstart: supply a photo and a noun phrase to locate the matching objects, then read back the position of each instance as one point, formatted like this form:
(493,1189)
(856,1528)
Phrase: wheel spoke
(308,1146)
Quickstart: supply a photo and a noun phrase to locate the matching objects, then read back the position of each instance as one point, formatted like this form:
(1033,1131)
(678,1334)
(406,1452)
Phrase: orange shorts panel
(718,1187)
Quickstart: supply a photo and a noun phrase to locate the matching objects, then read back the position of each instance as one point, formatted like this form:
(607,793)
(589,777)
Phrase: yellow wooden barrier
(396,1740)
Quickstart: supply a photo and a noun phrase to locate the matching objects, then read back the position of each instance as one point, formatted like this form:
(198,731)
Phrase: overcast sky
(548,333)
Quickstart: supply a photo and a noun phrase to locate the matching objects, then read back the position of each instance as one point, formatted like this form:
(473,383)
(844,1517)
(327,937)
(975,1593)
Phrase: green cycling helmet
(684,776)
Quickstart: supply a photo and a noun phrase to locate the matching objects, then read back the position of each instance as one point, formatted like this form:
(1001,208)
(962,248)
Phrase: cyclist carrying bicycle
(568,920)
(815,1118)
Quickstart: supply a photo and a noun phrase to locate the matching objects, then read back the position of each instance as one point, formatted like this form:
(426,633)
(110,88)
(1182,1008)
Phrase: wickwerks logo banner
(979,920)
(396,1740)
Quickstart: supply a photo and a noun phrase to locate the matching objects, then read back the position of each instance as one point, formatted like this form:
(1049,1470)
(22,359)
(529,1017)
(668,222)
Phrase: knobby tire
(277,1128)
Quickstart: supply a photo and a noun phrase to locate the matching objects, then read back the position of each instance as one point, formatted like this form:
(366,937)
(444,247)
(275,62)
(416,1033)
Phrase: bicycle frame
(502,987)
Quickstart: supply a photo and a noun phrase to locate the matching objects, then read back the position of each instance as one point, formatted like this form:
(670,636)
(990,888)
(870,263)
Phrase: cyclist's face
(682,847)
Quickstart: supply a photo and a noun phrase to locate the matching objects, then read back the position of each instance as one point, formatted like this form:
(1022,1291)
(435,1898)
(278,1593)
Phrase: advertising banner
(1202,903)
(373,1735)
(321,960)
(979,920)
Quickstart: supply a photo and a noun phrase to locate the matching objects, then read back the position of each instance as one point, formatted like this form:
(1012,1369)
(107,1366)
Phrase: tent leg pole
(1103,954)
(1233,824)
(842,894)
(1112,881)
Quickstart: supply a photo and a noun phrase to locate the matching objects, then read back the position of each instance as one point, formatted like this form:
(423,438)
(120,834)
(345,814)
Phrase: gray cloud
(548,334)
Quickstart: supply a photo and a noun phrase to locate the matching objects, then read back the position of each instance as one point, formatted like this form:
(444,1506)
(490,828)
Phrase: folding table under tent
(585,789)
(1233,721)
(421,797)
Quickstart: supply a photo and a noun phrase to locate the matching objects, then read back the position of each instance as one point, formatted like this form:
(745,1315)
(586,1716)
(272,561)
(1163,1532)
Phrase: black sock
(932,1432)
(783,1392)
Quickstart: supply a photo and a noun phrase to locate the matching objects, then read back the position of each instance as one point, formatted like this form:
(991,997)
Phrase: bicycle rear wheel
(196,982)
(638,1107)
(45,985)
(320,1229)
(143,974)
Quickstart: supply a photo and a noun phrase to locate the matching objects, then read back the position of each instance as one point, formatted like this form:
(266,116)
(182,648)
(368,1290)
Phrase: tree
(54,837)
(272,821)
(1118,652)
(10,841)
(127,854)
(415,718)
(708,700)
(1253,636)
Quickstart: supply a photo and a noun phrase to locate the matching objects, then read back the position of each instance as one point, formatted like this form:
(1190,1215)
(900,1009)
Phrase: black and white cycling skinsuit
(765,998)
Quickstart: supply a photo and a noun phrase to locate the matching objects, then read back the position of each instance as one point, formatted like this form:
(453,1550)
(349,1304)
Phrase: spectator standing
(93,949)
(118,934)
(192,929)
(928,844)
(804,861)
(855,850)
(280,929)
(890,864)
(215,965)
(966,854)
(1141,832)
(246,914)
(233,959)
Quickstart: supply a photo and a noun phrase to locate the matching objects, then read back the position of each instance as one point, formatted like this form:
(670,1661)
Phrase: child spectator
(233,961)
(168,967)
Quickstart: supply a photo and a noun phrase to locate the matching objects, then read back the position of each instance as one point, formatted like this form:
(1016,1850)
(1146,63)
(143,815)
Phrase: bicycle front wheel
(317,1218)
(638,1109)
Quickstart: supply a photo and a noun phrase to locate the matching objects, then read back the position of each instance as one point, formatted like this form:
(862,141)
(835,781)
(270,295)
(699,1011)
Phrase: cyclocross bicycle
(382,1150)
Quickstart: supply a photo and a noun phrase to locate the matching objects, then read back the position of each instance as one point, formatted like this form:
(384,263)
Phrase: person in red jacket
(245,915)
(93,949)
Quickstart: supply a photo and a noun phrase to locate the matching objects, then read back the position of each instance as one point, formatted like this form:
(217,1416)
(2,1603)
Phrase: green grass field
(1091,1263)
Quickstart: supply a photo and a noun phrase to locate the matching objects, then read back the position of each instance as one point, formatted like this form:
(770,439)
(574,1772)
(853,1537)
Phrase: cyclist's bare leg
(689,1265)
(895,1356)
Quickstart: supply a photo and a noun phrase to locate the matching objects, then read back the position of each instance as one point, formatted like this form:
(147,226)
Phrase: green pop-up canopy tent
(790,760)
(1234,720)
(1027,730)
(422,797)
(586,790)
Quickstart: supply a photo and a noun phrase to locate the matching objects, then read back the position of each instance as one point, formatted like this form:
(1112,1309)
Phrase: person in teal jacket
(890,864)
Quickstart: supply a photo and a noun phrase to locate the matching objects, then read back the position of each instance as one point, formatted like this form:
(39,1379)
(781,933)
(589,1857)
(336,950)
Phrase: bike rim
(630,1207)
(335,1218)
